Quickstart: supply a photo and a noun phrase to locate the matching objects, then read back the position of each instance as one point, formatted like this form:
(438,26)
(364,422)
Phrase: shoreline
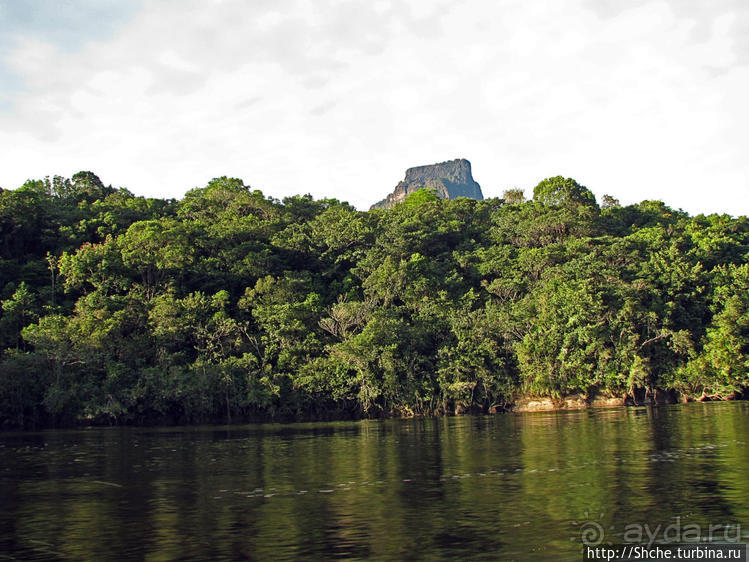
(599,401)
(523,405)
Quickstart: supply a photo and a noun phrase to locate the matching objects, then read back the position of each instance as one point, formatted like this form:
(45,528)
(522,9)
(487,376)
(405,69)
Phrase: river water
(522,487)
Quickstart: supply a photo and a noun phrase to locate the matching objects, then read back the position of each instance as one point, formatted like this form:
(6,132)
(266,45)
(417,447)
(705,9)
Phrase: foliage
(229,305)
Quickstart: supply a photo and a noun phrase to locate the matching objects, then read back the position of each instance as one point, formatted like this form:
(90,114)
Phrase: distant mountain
(449,180)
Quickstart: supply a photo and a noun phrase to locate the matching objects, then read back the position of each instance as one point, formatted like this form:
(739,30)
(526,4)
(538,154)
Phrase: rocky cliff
(448,179)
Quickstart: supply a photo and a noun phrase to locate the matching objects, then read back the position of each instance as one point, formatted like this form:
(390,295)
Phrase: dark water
(521,487)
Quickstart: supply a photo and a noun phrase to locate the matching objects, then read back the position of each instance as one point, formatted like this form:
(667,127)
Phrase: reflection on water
(506,486)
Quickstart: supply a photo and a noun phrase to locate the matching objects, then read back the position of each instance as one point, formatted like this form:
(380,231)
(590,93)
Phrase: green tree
(18,311)
(563,191)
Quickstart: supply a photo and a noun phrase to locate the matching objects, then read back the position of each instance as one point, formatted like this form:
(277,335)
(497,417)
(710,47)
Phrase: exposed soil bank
(582,402)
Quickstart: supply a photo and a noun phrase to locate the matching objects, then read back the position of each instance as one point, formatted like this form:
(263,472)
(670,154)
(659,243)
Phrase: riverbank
(524,404)
(642,398)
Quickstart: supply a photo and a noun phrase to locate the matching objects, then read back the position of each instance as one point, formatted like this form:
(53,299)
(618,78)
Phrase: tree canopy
(228,305)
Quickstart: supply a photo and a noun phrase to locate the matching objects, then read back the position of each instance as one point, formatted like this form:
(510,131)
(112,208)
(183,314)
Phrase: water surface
(521,487)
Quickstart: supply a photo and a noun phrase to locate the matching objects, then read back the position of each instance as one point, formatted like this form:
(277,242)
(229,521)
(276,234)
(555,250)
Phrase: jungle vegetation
(228,305)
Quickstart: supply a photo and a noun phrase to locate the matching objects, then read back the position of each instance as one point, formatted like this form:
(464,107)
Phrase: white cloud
(338,98)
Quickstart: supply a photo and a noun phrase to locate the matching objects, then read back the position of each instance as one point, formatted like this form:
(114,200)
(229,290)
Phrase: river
(510,486)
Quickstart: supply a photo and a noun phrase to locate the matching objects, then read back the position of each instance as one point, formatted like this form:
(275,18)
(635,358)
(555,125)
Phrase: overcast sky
(639,99)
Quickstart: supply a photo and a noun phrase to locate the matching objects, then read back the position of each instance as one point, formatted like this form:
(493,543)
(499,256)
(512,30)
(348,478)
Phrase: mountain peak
(449,180)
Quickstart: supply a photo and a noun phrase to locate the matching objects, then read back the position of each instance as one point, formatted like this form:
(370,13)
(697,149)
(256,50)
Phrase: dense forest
(228,305)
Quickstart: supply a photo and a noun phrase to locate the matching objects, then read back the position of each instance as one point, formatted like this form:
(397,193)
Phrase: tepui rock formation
(448,179)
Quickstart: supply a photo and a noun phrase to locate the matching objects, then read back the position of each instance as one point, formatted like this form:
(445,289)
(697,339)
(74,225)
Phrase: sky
(640,100)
